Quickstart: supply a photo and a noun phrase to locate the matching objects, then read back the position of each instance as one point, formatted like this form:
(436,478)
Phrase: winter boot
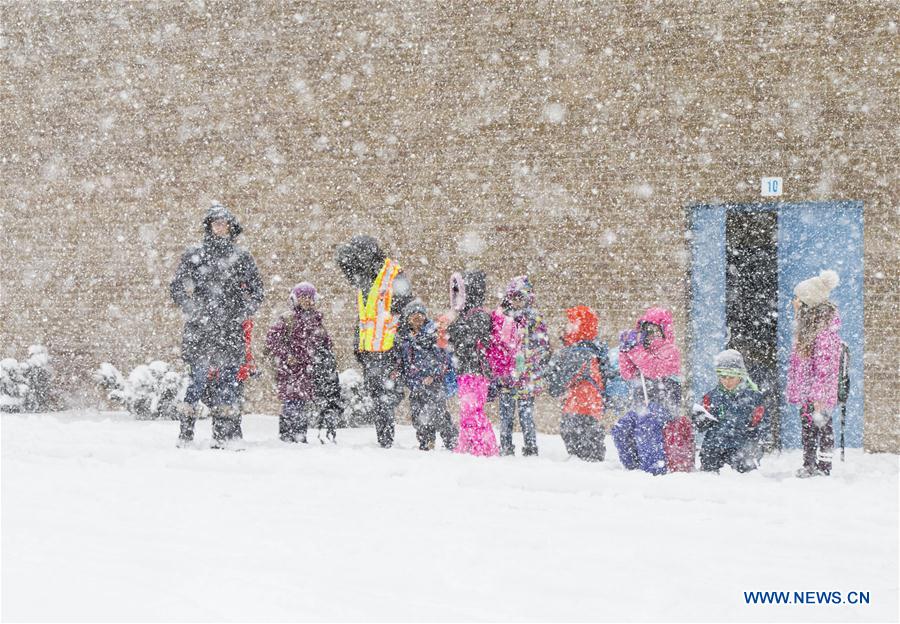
(384,429)
(187,417)
(226,425)
(218,428)
(529,451)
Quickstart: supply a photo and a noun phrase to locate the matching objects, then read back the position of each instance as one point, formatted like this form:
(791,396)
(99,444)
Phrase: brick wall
(562,139)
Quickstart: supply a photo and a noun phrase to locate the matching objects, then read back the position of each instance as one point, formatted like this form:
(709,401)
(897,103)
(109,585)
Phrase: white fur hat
(815,290)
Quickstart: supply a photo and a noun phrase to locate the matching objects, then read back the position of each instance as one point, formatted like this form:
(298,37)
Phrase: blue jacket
(420,357)
(735,411)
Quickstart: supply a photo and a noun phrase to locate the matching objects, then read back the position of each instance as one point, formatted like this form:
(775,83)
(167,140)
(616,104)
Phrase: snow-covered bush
(25,386)
(357,403)
(150,391)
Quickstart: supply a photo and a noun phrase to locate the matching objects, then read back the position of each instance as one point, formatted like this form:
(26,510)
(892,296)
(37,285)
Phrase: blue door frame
(812,236)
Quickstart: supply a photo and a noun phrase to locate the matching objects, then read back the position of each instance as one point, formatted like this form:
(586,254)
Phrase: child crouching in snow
(580,371)
(423,366)
(305,367)
(730,417)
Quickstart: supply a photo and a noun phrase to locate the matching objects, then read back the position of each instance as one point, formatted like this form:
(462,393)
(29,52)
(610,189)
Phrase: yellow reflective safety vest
(377,326)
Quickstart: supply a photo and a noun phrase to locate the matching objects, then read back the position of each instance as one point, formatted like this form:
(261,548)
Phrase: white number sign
(771,187)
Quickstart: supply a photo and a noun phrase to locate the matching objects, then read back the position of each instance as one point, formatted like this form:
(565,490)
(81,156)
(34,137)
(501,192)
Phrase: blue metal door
(811,237)
(706,315)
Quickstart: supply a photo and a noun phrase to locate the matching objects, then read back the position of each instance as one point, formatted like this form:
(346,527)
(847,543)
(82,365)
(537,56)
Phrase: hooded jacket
(657,359)
(217,286)
(815,378)
(584,398)
(469,334)
(420,357)
(520,346)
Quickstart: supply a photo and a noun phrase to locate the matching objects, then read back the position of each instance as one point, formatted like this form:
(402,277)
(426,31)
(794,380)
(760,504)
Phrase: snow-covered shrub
(357,403)
(25,386)
(150,391)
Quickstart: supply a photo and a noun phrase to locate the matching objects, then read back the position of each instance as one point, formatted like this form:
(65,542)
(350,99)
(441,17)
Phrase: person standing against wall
(813,369)
(382,293)
(218,288)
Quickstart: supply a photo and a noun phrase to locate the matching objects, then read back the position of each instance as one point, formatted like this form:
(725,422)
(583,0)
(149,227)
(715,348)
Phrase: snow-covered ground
(104,519)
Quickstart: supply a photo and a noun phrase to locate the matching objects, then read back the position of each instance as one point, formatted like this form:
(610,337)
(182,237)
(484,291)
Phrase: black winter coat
(217,286)
(469,334)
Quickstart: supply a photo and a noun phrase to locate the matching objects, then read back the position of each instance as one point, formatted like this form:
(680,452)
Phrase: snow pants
(220,390)
(583,437)
(744,459)
(818,440)
(510,400)
(294,420)
(381,375)
(476,435)
(638,437)
(429,416)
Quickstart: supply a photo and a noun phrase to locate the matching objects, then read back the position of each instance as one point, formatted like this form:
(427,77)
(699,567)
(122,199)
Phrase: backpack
(844,374)
(562,372)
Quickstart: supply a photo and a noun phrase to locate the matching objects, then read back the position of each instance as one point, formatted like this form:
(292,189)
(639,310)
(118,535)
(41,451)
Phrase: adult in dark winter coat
(730,418)
(305,366)
(469,335)
(218,287)
(382,293)
(424,367)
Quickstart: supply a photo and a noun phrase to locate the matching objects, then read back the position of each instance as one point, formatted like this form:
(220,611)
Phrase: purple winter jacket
(816,378)
(298,343)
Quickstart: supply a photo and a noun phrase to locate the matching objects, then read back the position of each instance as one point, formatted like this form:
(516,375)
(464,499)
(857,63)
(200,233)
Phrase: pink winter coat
(506,340)
(661,359)
(815,378)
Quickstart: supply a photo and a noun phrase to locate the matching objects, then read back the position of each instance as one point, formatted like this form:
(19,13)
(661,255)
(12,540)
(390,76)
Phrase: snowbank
(103,518)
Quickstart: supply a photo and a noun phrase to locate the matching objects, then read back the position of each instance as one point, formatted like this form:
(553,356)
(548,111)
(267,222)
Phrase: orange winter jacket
(584,398)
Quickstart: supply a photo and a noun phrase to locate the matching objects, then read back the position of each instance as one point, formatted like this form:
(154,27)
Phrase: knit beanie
(730,363)
(815,290)
(303,289)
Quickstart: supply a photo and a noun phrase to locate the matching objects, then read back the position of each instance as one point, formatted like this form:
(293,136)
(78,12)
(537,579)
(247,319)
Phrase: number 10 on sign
(771,187)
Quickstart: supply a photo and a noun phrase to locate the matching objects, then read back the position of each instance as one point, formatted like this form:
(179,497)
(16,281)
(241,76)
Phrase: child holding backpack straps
(580,371)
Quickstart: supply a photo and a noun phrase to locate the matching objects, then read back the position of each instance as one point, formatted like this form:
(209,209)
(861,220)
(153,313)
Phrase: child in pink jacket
(813,369)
